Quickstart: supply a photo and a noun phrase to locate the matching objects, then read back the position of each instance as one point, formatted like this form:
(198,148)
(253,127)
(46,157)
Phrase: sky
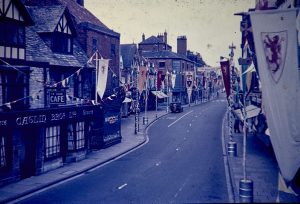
(210,26)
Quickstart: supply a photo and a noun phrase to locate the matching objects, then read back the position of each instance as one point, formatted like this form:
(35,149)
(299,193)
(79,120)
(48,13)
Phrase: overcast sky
(209,25)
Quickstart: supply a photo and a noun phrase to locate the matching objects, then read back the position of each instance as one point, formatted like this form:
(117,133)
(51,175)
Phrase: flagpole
(156,85)
(96,79)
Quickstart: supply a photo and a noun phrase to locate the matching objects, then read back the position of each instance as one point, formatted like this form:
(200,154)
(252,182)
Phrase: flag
(102,72)
(226,76)
(275,38)
(142,78)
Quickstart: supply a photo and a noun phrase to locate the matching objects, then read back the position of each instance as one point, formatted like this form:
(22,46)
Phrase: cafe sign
(56,96)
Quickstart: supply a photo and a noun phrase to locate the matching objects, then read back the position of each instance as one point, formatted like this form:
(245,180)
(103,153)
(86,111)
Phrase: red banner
(226,76)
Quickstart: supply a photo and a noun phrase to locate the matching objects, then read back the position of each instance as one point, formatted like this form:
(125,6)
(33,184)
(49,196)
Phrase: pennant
(78,72)
(63,83)
(102,72)
(142,78)
(275,38)
(8,105)
(226,76)
(173,80)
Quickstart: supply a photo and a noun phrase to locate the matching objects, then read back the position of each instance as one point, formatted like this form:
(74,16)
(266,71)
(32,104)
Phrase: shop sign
(56,96)
(45,117)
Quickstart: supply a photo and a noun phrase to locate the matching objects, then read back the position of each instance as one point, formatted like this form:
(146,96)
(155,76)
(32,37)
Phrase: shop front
(36,141)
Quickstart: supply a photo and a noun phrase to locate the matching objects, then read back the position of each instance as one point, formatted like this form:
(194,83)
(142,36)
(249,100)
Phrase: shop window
(52,145)
(2,152)
(76,139)
(15,88)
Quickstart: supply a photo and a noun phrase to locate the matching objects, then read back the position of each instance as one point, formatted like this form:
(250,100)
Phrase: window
(95,45)
(62,43)
(12,40)
(3,161)
(161,64)
(15,85)
(112,50)
(76,139)
(52,145)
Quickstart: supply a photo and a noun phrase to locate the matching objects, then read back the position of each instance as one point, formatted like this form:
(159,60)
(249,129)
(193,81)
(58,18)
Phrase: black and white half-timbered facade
(47,114)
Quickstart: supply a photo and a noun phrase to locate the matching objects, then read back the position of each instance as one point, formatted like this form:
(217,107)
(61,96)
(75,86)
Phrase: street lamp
(145,118)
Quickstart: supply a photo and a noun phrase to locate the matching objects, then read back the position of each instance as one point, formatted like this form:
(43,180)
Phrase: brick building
(166,62)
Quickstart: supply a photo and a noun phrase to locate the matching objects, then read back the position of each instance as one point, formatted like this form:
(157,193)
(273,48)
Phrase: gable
(15,10)
(63,25)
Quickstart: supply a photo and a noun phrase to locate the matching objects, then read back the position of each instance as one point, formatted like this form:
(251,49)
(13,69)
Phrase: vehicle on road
(176,107)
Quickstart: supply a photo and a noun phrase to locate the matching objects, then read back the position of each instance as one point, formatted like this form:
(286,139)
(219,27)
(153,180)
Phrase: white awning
(159,94)
(127,100)
(251,111)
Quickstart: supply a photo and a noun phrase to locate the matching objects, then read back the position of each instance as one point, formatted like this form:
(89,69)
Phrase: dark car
(176,107)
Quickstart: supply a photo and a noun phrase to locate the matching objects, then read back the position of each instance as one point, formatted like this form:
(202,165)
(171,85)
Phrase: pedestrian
(236,125)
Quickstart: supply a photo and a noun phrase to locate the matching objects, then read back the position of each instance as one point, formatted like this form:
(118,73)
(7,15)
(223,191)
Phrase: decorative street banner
(226,76)
(102,71)
(173,80)
(189,84)
(142,78)
(275,38)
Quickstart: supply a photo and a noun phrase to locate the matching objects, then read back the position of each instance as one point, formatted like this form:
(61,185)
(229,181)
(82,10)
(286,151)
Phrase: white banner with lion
(275,38)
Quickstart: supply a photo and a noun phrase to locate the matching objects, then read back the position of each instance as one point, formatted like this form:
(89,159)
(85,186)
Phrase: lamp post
(136,126)
(167,74)
(145,118)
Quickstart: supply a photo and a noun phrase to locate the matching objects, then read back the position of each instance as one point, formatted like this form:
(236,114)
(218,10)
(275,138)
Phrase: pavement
(261,168)
(261,165)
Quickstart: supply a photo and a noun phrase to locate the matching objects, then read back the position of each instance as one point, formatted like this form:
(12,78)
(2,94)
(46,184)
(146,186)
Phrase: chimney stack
(143,37)
(182,45)
(165,37)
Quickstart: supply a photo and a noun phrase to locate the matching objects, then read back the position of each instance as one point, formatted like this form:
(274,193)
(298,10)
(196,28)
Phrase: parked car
(176,107)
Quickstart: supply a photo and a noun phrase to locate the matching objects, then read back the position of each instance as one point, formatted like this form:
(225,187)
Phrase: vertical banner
(189,84)
(275,38)
(142,78)
(173,80)
(102,71)
(226,76)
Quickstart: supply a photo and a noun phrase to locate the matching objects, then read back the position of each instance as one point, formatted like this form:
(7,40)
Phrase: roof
(104,30)
(81,14)
(37,50)
(128,51)
(164,54)
(152,40)
(46,18)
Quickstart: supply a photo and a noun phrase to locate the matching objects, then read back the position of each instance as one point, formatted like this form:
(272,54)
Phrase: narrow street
(182,162)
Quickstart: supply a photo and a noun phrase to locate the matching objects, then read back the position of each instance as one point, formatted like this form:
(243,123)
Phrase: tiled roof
(46,18)
(81,14)
(37,50)
(128,51)
(97,28)
(151,40)
(164,54)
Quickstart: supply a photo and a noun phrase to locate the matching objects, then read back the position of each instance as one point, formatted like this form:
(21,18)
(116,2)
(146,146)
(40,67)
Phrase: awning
(251,112)
(127,100)
(159,94)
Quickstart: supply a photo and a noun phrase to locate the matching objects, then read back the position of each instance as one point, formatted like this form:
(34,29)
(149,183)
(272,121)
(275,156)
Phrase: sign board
(56,96)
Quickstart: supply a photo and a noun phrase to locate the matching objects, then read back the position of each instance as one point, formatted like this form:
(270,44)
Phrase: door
(28,152)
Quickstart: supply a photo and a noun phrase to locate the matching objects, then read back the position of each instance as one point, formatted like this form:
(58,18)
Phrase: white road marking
(179,118)
(158,163)
(177,149)
(122,186)
(190,124)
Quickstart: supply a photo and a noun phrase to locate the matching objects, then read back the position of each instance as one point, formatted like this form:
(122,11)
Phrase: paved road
(182,162)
